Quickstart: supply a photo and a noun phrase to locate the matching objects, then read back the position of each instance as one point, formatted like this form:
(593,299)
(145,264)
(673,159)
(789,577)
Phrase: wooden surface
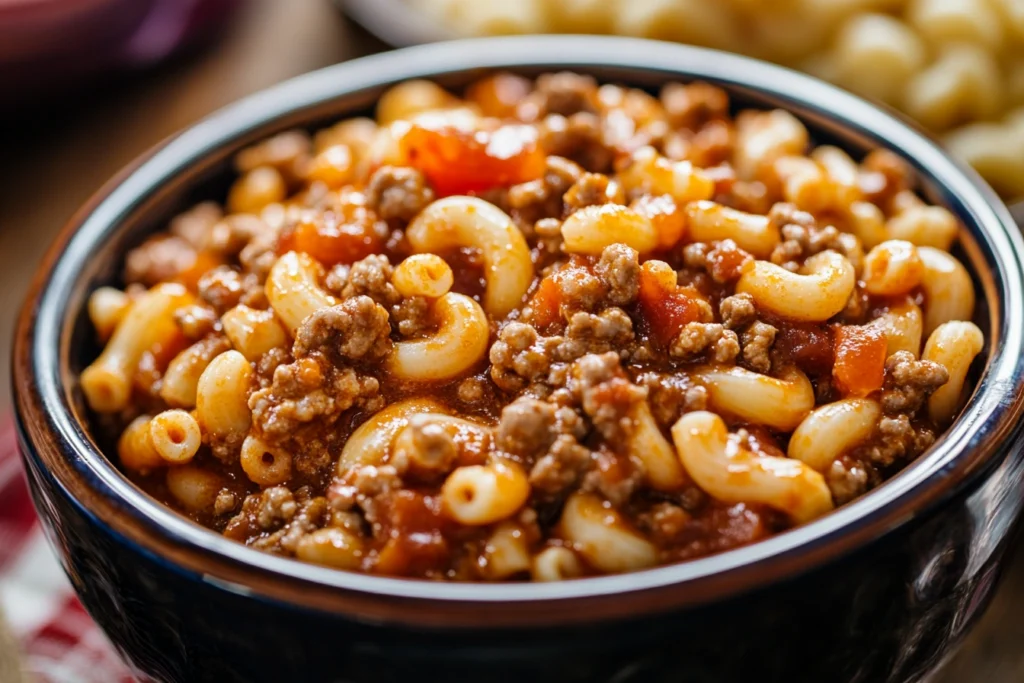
(55,158)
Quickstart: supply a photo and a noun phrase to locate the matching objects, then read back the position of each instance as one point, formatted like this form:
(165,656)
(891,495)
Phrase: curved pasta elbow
(733,474)
(293,289)
(903,326)
(604,539)
(781,403)
(709,221)
(458,344)
(370,443)
(149,323)
(478,495)
(948,289)
(222,397)
(647,444)
(819,291)
(458,221)
(592,228)
(833,429)
(954,346)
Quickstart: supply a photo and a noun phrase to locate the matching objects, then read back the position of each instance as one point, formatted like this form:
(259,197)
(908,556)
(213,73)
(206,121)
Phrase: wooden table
(53,160)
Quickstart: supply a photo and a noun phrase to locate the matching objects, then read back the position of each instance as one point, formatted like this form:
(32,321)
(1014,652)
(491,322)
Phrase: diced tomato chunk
(457,161)
(414,527)
(666,306)
(860,360)
(332,238)
(546,303)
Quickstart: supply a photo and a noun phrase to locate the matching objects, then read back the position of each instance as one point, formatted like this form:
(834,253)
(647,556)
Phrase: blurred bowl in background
(46,45)
(956,68)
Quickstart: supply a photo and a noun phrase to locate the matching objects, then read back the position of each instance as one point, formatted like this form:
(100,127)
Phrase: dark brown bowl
(879,590)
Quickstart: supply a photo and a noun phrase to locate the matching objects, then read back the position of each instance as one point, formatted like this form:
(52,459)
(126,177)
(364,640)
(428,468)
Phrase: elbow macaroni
(833,429)
(819,291)
(222,397)
(600,534)
(294,291)
(459,342)
(948,289)
(470,222)
(781,403)
(733,474)
(708,222)
(952,345)
(106,383)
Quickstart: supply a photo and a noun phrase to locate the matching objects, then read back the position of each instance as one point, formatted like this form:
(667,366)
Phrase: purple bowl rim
(989,417)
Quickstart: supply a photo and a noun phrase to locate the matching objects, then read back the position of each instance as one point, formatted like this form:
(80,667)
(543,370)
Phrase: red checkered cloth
(59,642)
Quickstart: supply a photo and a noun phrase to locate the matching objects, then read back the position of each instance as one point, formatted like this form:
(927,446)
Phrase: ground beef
(803,237)
(258,256)
(411,316)
(542,198)
(693,105)
(581,290)
(275,507)
(355,329)
(895,438)
(665,522)
(472,390)
(194,225)
(370,277)
(526,428)
(357,486)
(607,396)
(196,321)
(578,138)
(737,311)
(268,364)
(757,344)
(222,288)
(909,382)
(592,189)
(521,356)
(800,242)
(226,501)
(596,333)
(695,339)
(561,93)
(436,450)
(311,514)
(558,470)
(723,261)
(619,270)
(277,518)
(158,259)
(847,478)
(670,395)
(231,234)
(398,193)
(307,390)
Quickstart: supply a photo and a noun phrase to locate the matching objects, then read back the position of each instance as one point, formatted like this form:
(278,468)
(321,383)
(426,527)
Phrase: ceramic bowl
(879,591)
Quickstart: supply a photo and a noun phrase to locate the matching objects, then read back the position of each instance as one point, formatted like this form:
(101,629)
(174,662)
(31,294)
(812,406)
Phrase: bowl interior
(196,166)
